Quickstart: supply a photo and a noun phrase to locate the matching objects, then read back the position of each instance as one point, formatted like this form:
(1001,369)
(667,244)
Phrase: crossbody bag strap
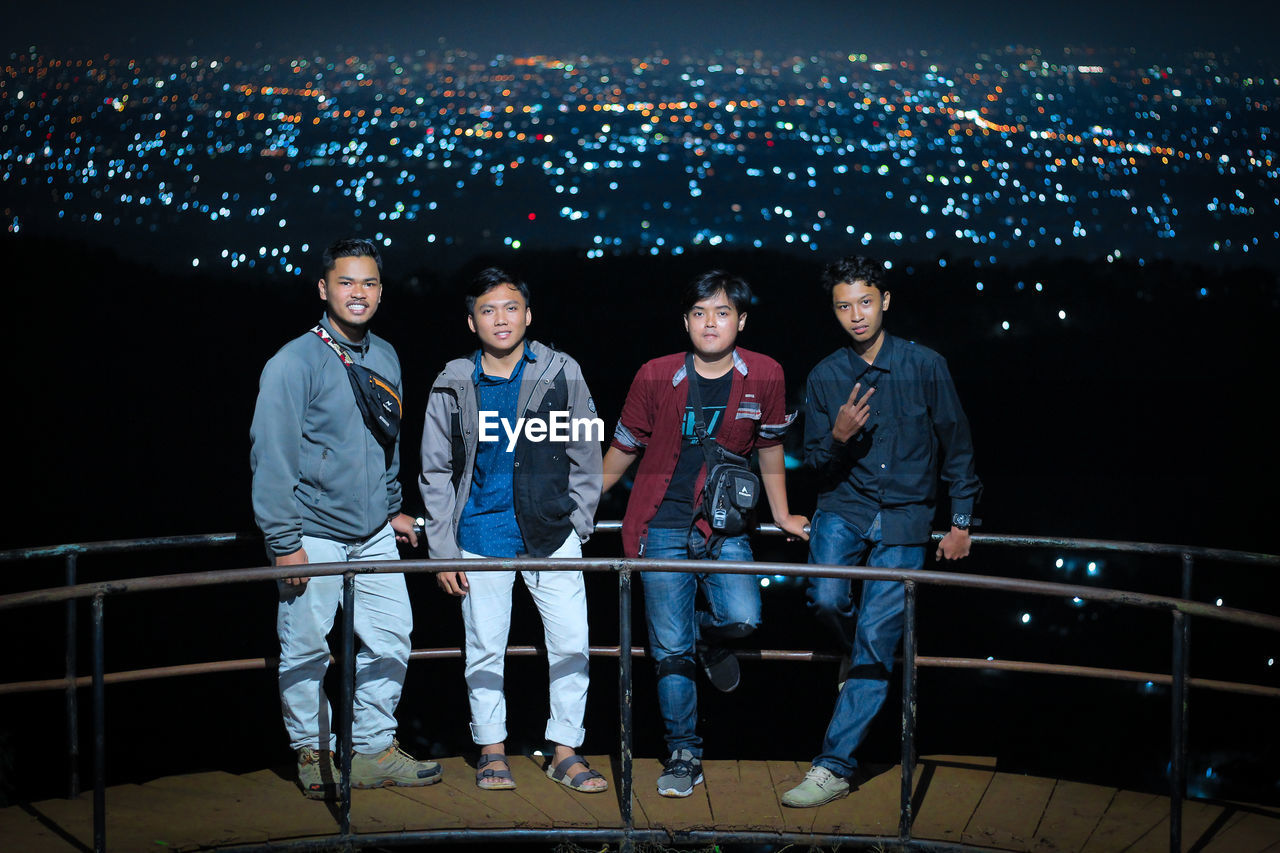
(333,345)
(699,419)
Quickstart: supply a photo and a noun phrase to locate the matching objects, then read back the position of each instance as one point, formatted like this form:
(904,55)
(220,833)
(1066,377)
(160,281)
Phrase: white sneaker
(820,786)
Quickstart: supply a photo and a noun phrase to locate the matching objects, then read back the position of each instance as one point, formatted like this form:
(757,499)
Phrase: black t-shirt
(676,509)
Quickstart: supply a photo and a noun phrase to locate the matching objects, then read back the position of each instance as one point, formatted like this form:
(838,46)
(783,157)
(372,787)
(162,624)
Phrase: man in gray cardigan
(325,490)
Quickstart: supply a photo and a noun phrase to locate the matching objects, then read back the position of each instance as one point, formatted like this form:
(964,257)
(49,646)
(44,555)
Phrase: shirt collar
(739,364)
(528,357)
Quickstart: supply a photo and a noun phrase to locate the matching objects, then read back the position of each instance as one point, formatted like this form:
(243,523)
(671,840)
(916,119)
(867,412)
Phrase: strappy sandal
(561,771)
(489,779)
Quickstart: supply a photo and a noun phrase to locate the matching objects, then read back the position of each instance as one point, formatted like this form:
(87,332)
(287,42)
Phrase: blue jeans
(675,623)
(868,632)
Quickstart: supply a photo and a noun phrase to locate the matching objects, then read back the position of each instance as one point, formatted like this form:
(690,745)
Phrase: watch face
(960,520)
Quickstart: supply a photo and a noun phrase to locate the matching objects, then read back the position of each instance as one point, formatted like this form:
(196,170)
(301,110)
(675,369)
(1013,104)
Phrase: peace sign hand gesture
(853,415)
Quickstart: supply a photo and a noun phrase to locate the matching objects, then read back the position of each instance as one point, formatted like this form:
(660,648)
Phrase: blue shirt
(488,524)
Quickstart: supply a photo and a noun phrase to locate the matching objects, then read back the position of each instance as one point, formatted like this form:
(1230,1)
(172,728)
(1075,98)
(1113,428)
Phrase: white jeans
(486,613)
(383,621)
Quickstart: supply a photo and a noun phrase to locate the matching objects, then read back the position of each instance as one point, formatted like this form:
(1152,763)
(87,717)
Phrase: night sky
(571,26)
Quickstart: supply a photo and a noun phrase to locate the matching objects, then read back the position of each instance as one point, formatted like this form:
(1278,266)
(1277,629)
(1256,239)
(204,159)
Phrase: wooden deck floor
(961,799)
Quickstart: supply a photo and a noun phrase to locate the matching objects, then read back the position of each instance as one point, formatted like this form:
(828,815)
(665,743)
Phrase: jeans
(561,598)
(675,623)
(383,621)
(868,632)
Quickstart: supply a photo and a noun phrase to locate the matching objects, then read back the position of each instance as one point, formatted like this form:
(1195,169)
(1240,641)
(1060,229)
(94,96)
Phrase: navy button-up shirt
(917,431)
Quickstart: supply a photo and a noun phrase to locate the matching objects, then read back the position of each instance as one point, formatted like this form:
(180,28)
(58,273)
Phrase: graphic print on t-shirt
(676,509)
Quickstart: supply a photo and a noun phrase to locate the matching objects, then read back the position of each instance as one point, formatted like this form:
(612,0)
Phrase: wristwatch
(960,521)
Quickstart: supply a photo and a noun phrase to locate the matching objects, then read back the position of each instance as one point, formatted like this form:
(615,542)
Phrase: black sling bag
(376,397)
(731,490)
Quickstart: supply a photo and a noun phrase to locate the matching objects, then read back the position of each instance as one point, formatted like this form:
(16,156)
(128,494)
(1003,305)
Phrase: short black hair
(712,282)
(489,278)
(854,268)
(350,247)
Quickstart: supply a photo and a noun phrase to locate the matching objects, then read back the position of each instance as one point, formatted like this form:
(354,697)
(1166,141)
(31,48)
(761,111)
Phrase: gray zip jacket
(317,469)
(551,497)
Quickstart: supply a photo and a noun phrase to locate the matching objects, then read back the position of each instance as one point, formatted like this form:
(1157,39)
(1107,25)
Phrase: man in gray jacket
(511,468)
(325,490)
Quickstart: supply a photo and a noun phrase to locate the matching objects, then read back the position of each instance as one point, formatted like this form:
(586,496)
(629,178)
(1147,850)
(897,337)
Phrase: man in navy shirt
(882,422)
(503,475)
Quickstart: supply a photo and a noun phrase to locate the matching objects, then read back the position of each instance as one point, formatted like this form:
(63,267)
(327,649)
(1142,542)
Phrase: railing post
(908,707)
(345,745)
(1178,733)
(624,704)
(72,696)
(99,729)
(1188,564)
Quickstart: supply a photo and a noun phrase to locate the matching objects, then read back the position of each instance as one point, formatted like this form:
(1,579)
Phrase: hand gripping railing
(1180,609)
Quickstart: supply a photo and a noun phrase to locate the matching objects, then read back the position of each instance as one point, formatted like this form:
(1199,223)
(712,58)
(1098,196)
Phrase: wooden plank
(742,796)
(395,809)
(1197,817)
(675,813)
(458,794)
(23,831)
(1250,833)
(1009,812)
(786,775)
(953,794)
(146,817)
(874,807)
(1072,813)
(561,806)
(1129,817)
(279,806)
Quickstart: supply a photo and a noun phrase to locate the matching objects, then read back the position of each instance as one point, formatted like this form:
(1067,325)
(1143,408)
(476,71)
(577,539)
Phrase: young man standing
(743,397)
(325,490)
(503,476)
(882,421)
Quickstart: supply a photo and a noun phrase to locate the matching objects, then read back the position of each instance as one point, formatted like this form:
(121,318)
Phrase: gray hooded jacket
(557,484)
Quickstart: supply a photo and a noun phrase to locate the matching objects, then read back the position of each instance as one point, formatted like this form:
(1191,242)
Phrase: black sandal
(488,779)
(561,770)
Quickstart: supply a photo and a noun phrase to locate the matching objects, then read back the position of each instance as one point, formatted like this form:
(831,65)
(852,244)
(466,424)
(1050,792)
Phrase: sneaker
(720,665)
(317,774)
(392,766)
(820,786)
(679,774)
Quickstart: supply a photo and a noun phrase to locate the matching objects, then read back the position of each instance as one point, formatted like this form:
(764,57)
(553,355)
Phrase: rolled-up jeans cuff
(565,735)
(488,733)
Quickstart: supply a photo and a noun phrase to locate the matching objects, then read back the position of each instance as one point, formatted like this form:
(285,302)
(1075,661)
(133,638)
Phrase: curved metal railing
(1179,608)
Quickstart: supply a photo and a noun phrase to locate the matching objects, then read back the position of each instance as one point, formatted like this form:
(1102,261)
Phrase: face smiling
(713,325)
(860,311)
(500,317)
(352,291)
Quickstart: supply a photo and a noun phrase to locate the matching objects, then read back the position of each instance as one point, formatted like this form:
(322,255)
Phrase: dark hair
(489,278)
(854,268)
(351,247)
(711,283)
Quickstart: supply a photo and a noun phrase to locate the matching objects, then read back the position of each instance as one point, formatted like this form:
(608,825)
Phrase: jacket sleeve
(436,479)
(952,428)
(275,454)
(586,468)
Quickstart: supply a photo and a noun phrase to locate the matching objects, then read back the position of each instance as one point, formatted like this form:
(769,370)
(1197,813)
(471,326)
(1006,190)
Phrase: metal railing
(1179,608)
